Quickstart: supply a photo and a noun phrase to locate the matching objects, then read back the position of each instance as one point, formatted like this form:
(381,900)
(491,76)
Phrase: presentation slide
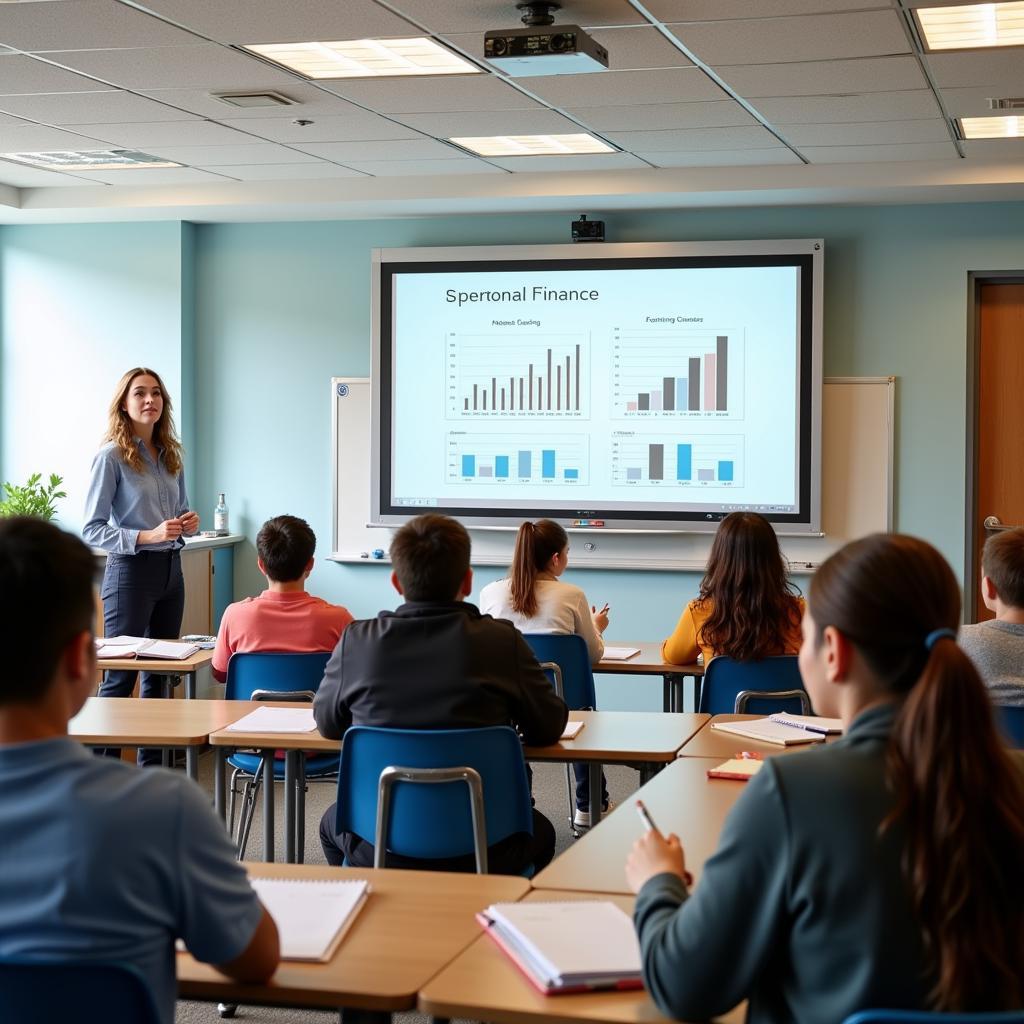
(647,389)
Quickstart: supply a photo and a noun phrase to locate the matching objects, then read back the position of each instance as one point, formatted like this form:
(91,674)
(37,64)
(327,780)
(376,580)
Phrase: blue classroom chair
(929,1017)
(1011,721)
(769,684)
(433,793)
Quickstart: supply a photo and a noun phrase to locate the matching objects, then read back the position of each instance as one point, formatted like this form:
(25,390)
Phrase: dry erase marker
(645,816)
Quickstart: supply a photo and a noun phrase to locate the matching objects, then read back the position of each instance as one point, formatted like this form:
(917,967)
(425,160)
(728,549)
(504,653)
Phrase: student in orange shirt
(747,608)
(284,617)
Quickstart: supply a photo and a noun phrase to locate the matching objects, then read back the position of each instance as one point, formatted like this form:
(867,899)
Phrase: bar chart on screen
(678,373)
(530,374)
(517,458)
(643,460)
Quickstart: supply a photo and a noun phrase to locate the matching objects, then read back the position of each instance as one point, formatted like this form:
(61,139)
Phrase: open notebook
(312,916)
(567,947)
(769,731)
(142,647)
(283,720)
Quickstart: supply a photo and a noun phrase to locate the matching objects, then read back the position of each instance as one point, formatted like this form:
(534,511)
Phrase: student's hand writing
(169,529)
(189,523)
(653,854)
(600,618)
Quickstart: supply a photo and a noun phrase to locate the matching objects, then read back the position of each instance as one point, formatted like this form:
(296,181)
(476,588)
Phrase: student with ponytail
(882,870)
(535,600)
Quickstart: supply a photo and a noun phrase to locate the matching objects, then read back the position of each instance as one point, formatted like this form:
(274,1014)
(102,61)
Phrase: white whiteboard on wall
(858,430)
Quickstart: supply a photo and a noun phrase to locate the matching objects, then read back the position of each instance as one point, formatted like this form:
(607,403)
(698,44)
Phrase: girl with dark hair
(747,608)
(882,870)
(535,600)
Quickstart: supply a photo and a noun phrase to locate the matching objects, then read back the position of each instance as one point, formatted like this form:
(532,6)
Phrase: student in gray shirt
(997,646)
(100,862)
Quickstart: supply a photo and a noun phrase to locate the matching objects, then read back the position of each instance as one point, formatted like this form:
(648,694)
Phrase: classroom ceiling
(707,102)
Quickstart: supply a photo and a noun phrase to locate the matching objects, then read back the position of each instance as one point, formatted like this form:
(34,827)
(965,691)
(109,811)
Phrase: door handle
(993,524)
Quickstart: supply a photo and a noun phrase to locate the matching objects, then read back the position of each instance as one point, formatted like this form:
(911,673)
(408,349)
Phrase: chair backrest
(433,821)
(569,652)
(84,992)
(929,1017)
(758,702)
(725,678)
(1011,720)
(273,671)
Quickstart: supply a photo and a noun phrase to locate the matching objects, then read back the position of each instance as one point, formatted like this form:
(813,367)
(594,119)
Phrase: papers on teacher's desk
(567,947)
(312,915)
(769,731)
(143,647)
(282,720)
(619,653)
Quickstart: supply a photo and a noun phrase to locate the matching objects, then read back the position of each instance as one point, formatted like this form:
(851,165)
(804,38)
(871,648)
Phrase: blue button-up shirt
(121,501)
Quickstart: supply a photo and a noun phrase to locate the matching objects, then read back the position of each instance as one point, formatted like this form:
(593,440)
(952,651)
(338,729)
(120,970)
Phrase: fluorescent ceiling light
(1008,127)
(366,58)
(973,26)
(89,160)
(533,145)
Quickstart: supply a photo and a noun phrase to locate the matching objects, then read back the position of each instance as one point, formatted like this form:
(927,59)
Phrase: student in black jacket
(437,663)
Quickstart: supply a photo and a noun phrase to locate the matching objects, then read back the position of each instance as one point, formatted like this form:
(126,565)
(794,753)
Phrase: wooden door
(1000,416)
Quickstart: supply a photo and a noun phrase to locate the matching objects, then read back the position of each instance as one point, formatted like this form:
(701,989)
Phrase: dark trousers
(143,595)
(509,856)
(582,772)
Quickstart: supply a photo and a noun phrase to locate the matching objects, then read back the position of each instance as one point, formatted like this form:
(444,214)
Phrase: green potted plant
(34,499)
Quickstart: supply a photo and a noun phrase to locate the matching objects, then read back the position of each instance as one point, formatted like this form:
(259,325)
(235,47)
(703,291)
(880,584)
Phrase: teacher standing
(137,511)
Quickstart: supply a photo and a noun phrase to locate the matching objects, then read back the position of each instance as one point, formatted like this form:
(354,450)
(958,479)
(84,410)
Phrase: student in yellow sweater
(747,608)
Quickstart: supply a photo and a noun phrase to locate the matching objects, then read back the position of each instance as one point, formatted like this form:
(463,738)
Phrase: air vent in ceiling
(254,99)
(1006,103)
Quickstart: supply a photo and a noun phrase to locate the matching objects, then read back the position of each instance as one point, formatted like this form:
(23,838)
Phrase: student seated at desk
(997,646)
(437,663)
(284,617)
(882,870)
(747,609)
(535,600)
(100,861)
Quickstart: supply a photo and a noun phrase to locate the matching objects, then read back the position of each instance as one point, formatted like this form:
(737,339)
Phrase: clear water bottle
(220,515)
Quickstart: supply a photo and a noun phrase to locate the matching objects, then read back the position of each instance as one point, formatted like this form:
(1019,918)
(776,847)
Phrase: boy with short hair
(284,617)
(997,646)
(100,861)
(437,663)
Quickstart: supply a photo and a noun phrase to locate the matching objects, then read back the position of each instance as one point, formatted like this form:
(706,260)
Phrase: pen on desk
(645,816)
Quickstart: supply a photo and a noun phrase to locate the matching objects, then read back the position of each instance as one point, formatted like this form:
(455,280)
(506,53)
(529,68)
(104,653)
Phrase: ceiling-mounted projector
(543,48)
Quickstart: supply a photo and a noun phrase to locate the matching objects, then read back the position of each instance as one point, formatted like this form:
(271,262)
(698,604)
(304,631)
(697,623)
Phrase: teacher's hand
(189,523)
(169,529)
(653,854)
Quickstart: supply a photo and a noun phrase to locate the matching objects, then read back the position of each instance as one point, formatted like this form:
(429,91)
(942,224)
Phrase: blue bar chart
(479,458)
(644,460)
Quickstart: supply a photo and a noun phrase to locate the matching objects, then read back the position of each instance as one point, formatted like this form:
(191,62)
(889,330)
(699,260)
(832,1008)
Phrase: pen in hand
(645,816)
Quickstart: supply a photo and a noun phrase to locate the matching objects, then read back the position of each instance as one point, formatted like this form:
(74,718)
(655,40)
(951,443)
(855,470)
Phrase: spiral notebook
(312,915)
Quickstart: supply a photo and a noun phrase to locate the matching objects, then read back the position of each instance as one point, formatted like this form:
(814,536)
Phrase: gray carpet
(549,790)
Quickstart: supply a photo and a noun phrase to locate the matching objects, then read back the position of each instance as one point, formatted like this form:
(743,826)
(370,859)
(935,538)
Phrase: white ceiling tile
(624,88)
(288,172)
(879,154)
(663,116)
(964,102)
(819,78)
(309,102)
(871,106)
(537,121)
(20,75)
(34,138)
(708,139)
(594,162)
(724,158)
(423,168)
(166,133)
(361,127)
(777,40)
(157,176)
(407,149)
(31,177)
(224,156)
(999,69)
(717,10)
(414,96)
(995,149)
(243,21)
(208,66)
(447,16)
(7,118)
(85,25)
(73,108)
(870,134)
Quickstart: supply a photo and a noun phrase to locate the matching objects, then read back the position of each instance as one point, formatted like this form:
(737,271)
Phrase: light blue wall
(280,308)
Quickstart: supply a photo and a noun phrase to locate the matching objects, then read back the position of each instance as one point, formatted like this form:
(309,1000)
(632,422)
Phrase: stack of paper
(619,653)
(768,731)
(142,647)
(284,720)
(571,730)
(739,768)
(567,947)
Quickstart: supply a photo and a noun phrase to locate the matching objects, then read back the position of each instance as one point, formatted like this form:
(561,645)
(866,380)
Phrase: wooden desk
(127,721)
(187,667)
(681,799)
(649,662)
(482,983)
(722,745)
(413,924)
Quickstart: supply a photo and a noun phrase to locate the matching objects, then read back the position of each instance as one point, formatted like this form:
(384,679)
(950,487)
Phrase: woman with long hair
(747,608)
(137,511)
(536,600)
(882,870)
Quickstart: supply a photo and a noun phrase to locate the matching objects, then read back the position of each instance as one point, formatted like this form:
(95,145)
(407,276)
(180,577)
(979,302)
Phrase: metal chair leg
(570,787)
(231,801)
(248,810)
